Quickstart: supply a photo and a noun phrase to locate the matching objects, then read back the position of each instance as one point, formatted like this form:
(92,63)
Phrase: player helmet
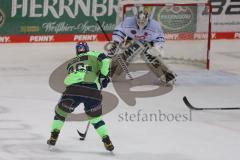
(81,47)
(142,17)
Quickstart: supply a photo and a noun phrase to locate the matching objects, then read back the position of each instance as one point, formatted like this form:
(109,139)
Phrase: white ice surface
(27,109)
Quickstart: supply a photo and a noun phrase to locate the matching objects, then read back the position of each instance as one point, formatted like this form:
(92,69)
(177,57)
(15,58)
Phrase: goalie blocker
(131,49)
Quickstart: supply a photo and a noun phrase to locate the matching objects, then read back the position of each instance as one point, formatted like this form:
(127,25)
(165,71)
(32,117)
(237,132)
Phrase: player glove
(104,80)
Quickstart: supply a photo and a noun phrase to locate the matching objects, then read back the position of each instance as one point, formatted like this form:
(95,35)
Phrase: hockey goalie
(140,35)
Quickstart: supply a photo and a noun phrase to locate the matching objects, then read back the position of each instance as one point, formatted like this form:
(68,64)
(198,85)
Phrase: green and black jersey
(87,67)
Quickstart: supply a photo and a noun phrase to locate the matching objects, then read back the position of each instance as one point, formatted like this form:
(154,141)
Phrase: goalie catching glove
(111,47)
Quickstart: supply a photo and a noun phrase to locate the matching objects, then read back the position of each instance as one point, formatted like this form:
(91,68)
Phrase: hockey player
(88,72)
(146,30)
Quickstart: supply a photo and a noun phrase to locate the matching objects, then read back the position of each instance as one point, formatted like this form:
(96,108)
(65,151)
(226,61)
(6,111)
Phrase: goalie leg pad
(158,67)
(126,55)
(153,63)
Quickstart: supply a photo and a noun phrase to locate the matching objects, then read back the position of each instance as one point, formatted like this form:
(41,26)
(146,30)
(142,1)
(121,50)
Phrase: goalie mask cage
(186,25)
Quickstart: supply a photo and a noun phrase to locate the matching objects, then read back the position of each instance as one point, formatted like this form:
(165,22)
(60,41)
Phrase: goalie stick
(120,60)
(190,106)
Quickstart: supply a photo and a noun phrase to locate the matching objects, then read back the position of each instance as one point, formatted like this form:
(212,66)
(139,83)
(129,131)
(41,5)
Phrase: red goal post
(187,41)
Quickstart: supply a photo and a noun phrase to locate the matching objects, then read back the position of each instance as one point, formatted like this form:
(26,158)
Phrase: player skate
(53,138)
(107,143)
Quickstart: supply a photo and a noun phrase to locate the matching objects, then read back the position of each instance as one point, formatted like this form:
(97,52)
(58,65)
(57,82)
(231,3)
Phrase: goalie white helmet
(142,17)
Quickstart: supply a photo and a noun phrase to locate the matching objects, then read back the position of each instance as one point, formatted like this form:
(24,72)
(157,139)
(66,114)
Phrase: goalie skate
(168,78)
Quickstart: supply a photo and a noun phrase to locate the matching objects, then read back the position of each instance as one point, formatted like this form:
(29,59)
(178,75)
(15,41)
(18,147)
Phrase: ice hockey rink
(27,109)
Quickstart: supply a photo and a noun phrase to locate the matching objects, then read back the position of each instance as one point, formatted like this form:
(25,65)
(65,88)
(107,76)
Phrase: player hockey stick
(190,106)
(119,58)
(103,31)
(83,135)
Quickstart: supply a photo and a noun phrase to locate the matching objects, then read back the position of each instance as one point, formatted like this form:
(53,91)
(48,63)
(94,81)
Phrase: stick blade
(82,139)
(189,105)
(81,134)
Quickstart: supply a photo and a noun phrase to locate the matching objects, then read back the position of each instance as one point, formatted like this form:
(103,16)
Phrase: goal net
(186,25)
